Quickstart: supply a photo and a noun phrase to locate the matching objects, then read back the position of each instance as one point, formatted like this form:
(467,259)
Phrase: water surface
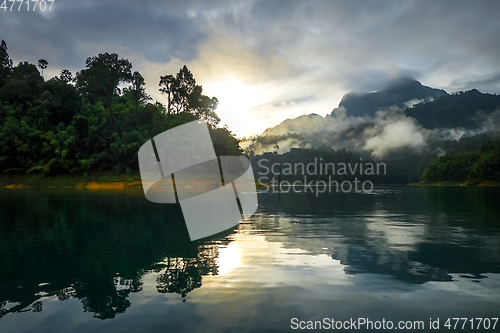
(75,260)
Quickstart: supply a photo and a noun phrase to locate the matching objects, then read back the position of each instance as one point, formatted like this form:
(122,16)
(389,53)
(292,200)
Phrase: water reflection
(183,275)
(413,234)
(305,253)
(96,247)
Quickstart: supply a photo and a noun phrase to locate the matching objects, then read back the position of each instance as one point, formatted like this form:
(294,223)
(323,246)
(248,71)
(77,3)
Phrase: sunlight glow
(236,100)
(229,259)
(243,107)
(249,109)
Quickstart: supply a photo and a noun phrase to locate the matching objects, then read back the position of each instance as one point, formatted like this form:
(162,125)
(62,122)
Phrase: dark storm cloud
(365,43)
(294,48)
(151,29)
(380,40)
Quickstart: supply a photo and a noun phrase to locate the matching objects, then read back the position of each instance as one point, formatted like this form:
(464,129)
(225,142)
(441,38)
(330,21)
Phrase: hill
(463,109)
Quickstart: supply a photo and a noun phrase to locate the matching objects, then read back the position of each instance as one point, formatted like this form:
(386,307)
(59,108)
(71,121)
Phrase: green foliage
(452,167)
(54,127)
(470,167)
(487,167)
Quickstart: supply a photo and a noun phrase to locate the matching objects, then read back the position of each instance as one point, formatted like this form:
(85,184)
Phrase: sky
(267,61)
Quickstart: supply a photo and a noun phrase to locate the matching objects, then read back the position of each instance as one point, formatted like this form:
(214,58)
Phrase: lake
(76,260)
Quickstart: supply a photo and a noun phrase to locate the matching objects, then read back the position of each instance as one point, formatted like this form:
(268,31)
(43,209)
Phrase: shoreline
(487,183)
(94,181)
(111,181)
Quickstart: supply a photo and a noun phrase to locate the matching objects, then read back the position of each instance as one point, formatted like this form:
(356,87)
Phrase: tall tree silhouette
(138,90)
(167,86)
(5,63)
(42,63)
(185,85)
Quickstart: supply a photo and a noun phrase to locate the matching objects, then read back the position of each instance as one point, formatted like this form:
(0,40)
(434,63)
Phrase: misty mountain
(406,115)
(401,93)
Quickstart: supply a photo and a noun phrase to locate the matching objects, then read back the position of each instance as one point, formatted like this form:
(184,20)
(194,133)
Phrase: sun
(236,102)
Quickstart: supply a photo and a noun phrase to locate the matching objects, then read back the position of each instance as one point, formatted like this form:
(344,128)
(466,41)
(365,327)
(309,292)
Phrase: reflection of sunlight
(229,259)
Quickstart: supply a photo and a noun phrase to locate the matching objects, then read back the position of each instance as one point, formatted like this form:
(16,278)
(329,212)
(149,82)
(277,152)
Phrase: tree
(138,90)
(42,63)
(178,89)
(52,127)
(167,86)
(5,63)
(66,76)
(184,95)
(203,106)
(100,80)
(185,86)
(22,84)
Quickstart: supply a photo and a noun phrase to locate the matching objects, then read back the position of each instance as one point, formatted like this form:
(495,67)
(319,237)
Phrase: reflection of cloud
(396,235)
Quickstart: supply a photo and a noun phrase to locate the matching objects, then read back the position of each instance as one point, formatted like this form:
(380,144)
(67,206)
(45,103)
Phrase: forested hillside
(471,167)
(95,120)
(465,109)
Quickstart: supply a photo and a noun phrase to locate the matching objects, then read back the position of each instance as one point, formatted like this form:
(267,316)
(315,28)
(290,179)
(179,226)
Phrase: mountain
(400,93)
(405,115)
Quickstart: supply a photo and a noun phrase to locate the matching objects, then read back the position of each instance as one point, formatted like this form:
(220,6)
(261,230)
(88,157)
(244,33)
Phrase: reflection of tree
(94,247)
(106,297)
(479,203)
(183,275)
(25,306)
(102,298)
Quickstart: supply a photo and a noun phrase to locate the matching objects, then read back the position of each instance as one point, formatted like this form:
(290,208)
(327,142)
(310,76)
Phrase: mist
(389,130)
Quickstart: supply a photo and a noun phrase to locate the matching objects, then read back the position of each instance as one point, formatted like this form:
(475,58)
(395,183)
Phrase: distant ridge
(297,125)
(399,93)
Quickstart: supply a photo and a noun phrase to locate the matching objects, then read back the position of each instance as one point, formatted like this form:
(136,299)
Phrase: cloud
(393,130)
(388,131)
(278,51)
